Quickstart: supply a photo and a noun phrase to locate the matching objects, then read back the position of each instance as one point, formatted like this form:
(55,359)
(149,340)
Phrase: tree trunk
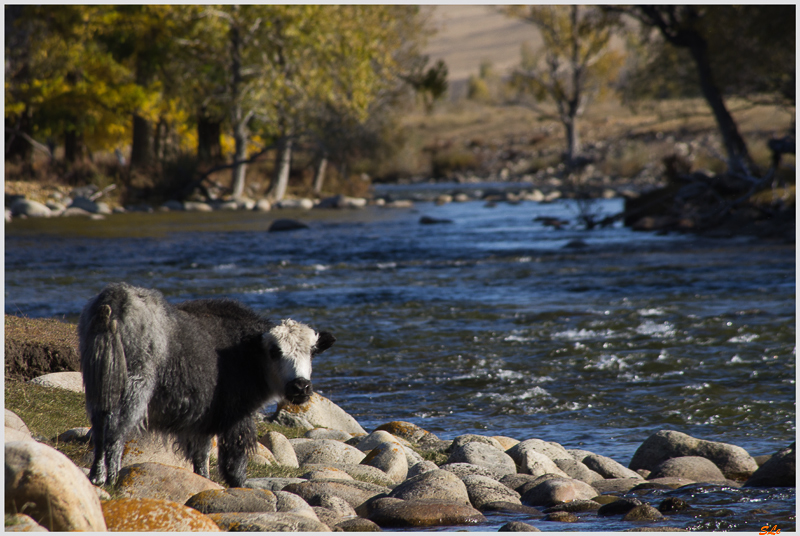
(283,165)
(240,139)
(73,146)
(238,117)
(573,141)
(209,131)
(319,176)
(17,147)
(677,25)
(739,160)
(141,153)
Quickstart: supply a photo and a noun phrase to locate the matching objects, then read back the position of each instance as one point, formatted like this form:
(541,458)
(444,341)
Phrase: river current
(494,323)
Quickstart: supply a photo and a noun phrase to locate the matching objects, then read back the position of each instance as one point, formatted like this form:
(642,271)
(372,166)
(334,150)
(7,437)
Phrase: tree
(62,82)
(576,64)
(718,35)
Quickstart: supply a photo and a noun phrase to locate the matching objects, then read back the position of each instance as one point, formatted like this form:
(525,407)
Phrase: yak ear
(324,341)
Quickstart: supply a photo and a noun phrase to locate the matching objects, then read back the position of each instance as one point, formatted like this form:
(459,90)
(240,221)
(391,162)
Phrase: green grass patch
(46,411)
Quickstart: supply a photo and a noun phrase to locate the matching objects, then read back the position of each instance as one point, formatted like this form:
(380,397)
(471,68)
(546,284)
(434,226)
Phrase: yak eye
(275,352)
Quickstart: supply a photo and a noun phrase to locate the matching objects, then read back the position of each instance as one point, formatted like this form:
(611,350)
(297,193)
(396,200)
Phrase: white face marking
(296,341)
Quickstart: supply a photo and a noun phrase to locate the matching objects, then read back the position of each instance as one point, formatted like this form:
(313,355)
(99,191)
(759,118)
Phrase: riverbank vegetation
(154,103)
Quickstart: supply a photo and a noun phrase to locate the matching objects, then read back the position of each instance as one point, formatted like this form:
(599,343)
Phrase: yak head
(290,347)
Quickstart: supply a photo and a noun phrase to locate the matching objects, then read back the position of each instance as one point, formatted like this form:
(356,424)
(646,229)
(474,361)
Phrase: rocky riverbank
(343,478)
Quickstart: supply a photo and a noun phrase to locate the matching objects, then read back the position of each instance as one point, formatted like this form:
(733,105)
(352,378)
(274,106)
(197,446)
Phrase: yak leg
(97,474)
(197,449)
(132,415)
(235,444)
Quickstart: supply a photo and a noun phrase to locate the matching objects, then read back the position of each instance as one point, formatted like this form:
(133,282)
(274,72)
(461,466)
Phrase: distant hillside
(469,34)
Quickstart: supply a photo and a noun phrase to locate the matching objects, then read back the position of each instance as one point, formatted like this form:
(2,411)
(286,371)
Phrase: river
(494,323)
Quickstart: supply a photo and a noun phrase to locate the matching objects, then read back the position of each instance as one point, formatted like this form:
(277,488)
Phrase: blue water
(490,324)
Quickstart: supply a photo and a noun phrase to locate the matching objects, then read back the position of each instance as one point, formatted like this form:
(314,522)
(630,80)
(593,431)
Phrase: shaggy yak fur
(195,370)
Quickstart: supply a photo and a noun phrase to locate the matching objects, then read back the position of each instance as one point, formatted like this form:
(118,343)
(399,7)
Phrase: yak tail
(105,372)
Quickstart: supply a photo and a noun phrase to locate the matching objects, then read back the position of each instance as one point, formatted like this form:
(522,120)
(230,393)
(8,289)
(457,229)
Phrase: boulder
(71,381)
(616,485)
(577,470)
(267,522)
(561,517)
(550,449)
(537,463)
(30,208)
(505,442)
(158,481)
(365,473)
(484,455)
(271,484)
(581,505)
(357,524)
(474,438)
(301,204)
(173,205)
(618,507)
(421,467)
(263,205)
(690,467)
(521,483)
(326,473)
(406,430)
(484,490)
(154,515)
(355,493)
(434,485)
(281,448)
(213,501)
(22,523)
(327,433)
(51,489)
(76,211)
(558,490)
(93,207)
(643,512)
(375,439)
(342,201)
(326,451)
(319,412)
(11,435)
(334,504)
(291,503)
(80,435)
(152,447)
(197,206)
(512,508)
(517,526)
(608,468)
(428,220)
(734,462)
(284,224)
(463,469)
(389,458)
(13,421)
(423,513)
(779,471)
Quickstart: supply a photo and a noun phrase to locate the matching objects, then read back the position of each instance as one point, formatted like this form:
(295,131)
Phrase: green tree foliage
(576,64)
(62,83)
(270,75)
(751,51)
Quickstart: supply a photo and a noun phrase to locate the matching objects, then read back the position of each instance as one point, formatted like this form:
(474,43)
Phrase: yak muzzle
(299,391)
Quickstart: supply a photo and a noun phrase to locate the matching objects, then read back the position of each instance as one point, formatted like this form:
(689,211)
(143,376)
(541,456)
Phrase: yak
(193,370)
